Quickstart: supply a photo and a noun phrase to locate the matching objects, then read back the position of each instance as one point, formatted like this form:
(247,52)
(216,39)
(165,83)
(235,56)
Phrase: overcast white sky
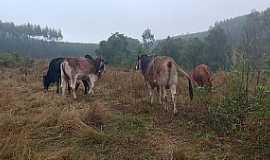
(95,20)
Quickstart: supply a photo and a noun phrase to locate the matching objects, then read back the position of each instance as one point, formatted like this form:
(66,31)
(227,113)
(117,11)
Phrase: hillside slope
(233,28)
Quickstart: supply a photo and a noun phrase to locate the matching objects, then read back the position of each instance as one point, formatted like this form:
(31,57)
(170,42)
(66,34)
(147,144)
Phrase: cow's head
(143,62)
(139,63)
(100,66)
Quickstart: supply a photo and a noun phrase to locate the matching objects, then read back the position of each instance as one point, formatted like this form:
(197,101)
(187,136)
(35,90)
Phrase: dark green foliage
(248,34)
(10,60)
(217,50)
(119,50)
(187,53)
(243,113)
(213,51)
(255,39)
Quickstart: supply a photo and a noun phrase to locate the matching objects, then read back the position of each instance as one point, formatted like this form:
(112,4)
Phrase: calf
(202,76)
(87,69)
(161,72)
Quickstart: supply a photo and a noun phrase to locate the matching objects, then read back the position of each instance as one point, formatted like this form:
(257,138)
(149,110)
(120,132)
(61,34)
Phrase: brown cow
(74,69)
(202,76)
(161,72)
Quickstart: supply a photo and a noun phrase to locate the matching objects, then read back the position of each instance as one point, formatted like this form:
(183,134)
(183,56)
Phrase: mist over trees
(10,30)
(225,44)
(221,47)
(37,42)
(213,50)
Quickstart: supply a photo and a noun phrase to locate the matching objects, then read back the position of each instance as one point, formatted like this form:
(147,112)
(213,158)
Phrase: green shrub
(12,60)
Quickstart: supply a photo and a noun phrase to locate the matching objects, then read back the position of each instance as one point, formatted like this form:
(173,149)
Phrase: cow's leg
(63,85)
(173,94)
(73,81)
(58,85)
(86,86)
(92,80)
(164,98)
(68,86)
(150,93)
(159,89)
(90,89)
(77,86)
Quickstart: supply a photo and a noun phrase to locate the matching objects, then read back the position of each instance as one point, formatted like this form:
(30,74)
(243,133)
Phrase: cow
(53,75)
(74,69)
(160,72)
(202,76)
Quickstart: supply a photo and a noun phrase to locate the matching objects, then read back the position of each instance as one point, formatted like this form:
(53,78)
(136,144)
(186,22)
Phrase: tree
(148,41)
(194,53)
(218,50)
(118,50)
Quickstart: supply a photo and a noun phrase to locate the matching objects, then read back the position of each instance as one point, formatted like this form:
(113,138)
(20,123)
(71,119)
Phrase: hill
(233,28)
(200,35)
(224,45)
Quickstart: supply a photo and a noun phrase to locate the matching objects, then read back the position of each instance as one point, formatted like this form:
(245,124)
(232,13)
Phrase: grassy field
(117,121)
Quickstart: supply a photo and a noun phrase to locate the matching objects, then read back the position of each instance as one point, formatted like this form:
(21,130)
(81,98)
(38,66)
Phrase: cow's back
(82,66)
(162,72)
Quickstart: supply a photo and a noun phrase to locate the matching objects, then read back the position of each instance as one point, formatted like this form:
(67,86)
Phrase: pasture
(118,122)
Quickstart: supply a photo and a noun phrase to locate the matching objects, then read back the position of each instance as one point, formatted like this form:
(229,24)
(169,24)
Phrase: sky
(91,21)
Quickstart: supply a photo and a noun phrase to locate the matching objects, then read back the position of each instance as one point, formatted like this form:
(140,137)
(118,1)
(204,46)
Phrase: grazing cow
(53,75)
(202,76)
(161,72)
(74,69)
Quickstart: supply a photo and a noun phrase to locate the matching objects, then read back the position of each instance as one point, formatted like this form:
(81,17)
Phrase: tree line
(223,46)
(34,41)
(10,30)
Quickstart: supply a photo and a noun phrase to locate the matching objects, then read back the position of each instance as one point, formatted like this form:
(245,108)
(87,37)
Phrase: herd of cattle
(159,72)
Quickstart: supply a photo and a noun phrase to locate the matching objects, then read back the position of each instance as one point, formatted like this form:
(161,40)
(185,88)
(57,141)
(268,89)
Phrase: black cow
(54,76)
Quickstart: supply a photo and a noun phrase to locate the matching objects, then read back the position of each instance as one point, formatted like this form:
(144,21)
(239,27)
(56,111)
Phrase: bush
(244,113)
(12,60)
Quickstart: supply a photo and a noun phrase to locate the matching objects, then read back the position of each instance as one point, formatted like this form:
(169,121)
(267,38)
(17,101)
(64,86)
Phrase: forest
(221,47)
(33,41)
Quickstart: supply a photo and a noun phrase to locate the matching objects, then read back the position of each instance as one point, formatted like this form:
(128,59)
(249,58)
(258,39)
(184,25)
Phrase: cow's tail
(169,65)
(63,73)
(190,88)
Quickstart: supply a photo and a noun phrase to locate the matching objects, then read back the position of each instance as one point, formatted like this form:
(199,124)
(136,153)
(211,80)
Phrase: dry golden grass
(117,122)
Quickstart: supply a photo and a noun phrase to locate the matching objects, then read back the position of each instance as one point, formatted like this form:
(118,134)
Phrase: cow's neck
(94,64)
(146,63)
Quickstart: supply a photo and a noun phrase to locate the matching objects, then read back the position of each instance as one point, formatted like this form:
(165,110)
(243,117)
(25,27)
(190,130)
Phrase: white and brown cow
(74,69)
(161,72)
